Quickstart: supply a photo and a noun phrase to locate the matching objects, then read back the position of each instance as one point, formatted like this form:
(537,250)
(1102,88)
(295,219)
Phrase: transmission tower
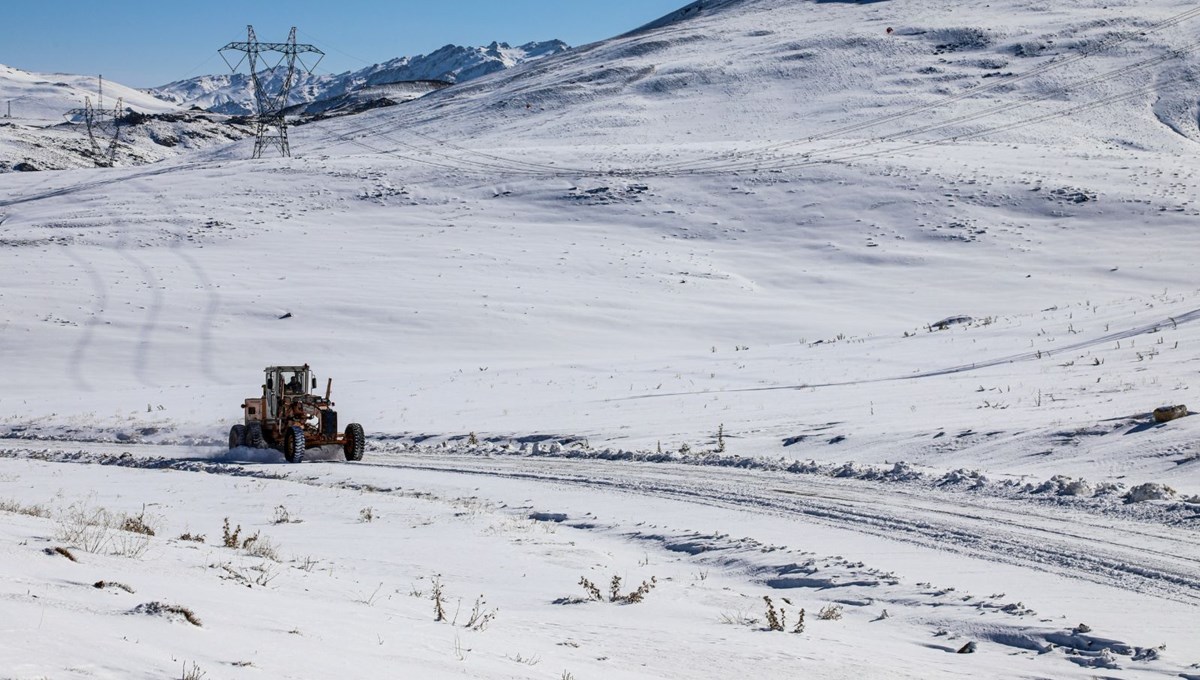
(103,126)
(272,84)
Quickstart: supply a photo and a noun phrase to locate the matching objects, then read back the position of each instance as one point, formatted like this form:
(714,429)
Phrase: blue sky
(144,43)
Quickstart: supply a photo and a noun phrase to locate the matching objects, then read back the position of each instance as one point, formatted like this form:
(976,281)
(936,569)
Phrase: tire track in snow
(1127,555)
(1173,321)
(100,293)
(96,184)
(150,323)
(1113,553)
(211,306)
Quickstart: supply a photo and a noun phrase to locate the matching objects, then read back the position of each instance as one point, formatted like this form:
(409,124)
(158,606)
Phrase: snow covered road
(1135,556)
(1014,573)
(1127,554)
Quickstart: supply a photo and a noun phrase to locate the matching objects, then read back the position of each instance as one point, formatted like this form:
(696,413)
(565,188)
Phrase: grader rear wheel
(254,436)
(237,436)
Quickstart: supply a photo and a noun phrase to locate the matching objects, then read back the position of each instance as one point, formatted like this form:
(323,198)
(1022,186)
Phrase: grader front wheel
(355,442)
(293,445)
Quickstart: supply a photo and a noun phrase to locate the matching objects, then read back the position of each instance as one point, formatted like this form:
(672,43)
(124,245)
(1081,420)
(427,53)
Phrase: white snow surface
(758,300)
(44,97)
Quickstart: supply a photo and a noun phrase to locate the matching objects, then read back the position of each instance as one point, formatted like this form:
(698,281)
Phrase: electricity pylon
(103,126)
(272,84)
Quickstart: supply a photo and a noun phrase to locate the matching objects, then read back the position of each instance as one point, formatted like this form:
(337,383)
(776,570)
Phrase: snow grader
(291,417)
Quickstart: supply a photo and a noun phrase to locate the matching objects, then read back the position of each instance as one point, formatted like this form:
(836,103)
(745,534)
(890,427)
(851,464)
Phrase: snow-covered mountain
(234,93)
(40,98)
(37,137)
(853,308)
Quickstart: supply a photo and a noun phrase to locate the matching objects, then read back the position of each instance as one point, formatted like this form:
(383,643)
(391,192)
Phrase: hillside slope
(780,70)
(524,253)
(761,305)
(45,97)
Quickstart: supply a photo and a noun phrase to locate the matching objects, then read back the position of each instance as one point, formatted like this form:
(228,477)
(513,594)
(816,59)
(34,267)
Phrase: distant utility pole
(272,85)
(103,126)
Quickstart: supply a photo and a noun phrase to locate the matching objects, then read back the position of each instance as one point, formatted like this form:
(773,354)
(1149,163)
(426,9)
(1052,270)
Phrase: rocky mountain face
(234,93)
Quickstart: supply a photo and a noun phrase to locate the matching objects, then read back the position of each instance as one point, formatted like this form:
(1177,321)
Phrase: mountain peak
(233,93)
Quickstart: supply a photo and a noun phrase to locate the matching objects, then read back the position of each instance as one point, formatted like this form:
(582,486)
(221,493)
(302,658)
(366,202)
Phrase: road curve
(1136,556)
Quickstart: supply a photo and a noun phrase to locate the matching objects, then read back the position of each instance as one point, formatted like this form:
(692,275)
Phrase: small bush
(85,528)
(129,544)
(17,508)
(137,524)
(161,609)
(614,590)
(480,617)
(261,546)
(799,628)
(830,612)
(282,516)
(366,515)
(193,673)
(231,538)
(774,621)
(592,591)
(439,609)
(195,538)
(777,618)
(96,530)
(738,618)
(641,592)
(61,551)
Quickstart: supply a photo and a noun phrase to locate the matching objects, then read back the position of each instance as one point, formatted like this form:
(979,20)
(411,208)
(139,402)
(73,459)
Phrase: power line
(270,102)
(103,126)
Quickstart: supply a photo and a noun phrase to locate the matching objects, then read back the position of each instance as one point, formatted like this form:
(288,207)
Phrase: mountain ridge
(233,93)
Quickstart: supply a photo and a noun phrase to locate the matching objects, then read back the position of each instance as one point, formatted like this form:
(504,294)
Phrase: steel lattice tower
(272,84)
(103,126)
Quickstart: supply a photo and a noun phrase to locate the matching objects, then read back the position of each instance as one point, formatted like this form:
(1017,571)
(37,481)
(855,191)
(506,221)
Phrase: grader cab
(292,417)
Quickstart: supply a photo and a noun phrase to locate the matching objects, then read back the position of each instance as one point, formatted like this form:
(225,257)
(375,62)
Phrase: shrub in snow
(1150,491)
(592,591)
(231,539)
(830,612)
(774,621)
(61,551)
(614,590)
(170,611)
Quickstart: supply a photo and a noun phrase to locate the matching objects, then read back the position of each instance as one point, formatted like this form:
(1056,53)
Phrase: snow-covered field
(759,300)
